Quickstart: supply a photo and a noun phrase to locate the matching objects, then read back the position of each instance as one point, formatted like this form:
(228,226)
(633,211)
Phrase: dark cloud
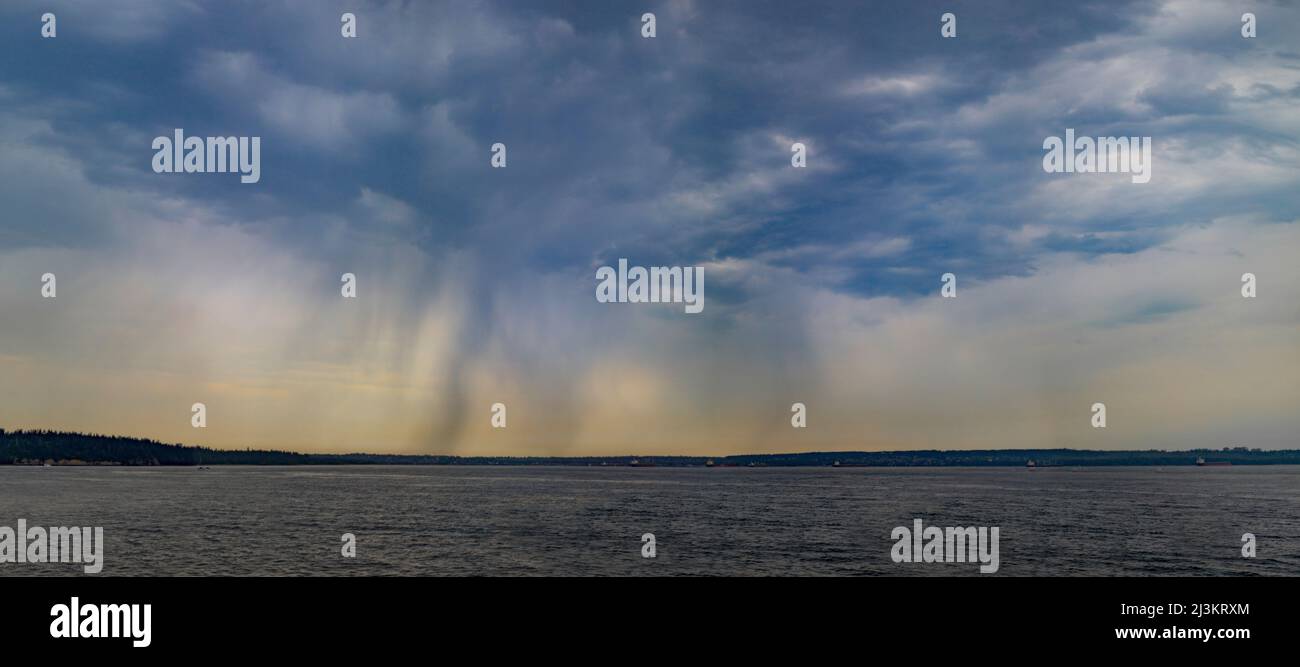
(924,158)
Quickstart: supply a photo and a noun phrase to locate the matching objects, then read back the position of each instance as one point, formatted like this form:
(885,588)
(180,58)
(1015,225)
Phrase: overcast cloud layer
(476,285)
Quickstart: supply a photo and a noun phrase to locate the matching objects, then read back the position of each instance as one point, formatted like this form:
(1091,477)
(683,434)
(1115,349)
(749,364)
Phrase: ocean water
(418,520)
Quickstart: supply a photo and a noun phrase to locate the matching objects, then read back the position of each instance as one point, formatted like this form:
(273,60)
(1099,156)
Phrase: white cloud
(321,119)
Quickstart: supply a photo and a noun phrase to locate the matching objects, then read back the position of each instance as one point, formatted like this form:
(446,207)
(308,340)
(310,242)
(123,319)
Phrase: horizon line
(705,457)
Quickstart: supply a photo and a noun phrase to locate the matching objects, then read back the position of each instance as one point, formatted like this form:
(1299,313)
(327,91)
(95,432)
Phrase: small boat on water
(1031,464)
(1200,461)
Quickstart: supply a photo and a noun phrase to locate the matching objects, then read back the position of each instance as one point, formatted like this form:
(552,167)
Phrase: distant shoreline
(38,448)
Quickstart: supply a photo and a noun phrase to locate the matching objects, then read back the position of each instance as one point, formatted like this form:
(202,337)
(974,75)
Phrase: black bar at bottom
(329,617)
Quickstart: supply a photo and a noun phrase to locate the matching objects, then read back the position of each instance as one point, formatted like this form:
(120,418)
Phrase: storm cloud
(476,285)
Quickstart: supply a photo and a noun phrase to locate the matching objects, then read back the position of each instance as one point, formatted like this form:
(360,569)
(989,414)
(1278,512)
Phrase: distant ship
(1200,461)
(1030,464)
(709,463)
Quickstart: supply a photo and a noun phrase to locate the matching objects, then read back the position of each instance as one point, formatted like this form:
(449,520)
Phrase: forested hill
(60,448)
(34,447)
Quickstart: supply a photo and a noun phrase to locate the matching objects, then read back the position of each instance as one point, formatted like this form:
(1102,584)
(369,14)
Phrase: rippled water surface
(588,521)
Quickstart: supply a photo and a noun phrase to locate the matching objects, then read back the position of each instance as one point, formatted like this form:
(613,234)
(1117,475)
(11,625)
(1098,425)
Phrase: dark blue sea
(436,520)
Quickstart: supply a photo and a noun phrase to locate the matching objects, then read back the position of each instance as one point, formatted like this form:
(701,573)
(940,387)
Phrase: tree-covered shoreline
(38,447)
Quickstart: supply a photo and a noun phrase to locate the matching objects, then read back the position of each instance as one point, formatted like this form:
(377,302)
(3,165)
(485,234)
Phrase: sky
(476,285)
